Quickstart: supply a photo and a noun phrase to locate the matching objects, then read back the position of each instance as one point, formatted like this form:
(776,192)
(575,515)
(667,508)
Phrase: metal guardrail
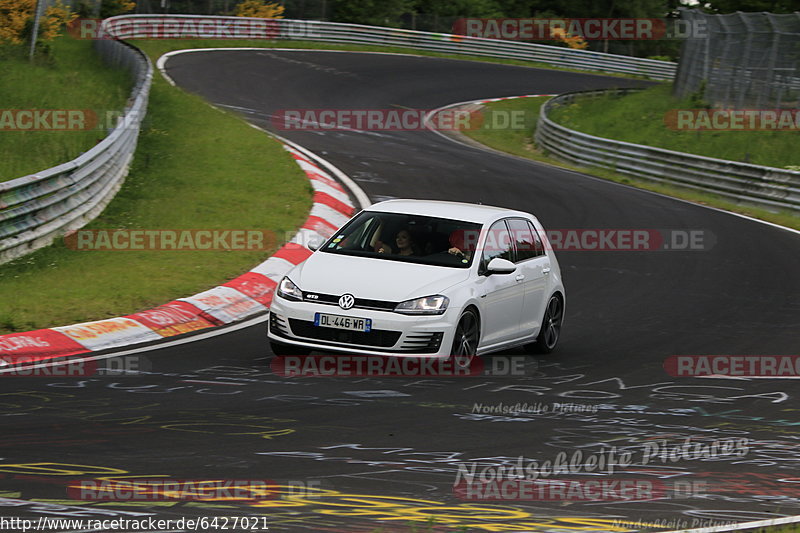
(37,209)
(742,182)
(187,26)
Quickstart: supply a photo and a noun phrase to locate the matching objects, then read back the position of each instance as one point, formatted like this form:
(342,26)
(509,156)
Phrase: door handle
(546,270)
(520,277)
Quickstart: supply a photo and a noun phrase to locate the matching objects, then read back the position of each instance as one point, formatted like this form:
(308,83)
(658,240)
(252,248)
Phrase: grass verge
(71,77)
(520,142)
(640,118)
(195,168)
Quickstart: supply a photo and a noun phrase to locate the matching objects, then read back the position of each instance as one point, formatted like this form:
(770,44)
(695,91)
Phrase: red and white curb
(470,106)
(241,298)
(488,100)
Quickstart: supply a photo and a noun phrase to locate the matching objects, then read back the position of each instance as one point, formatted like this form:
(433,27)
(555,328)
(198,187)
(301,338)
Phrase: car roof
(442,209)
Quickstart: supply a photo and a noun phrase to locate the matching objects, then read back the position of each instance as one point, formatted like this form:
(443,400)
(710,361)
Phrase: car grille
(377,337)
(361,303)
(412,343)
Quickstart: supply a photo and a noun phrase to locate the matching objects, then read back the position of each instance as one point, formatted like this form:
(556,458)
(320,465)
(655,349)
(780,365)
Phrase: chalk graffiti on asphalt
(207,420)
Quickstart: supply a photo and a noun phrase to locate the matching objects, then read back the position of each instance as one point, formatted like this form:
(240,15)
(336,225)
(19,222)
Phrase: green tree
(607,8)
(459,8)
(772,6)
(371,12)
(519,8)
(104,8)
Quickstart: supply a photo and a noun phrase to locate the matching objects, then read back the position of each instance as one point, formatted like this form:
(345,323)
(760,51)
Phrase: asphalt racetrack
(383,454)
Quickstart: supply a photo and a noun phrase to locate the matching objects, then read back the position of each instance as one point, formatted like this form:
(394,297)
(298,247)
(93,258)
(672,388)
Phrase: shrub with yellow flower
(573,41)
(16,20)
(259,9)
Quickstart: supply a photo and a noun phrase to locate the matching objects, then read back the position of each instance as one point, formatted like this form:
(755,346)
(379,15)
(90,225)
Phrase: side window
(525,239)
(537,239)
(356,236)
(498,244)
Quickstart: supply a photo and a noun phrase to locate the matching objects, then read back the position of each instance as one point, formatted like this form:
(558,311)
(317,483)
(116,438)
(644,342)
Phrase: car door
(501,295)
(532,266)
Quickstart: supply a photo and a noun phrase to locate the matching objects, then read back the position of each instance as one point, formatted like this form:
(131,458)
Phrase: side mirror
(498,265)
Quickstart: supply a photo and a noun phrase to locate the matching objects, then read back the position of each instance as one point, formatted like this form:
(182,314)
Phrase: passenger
(404,242)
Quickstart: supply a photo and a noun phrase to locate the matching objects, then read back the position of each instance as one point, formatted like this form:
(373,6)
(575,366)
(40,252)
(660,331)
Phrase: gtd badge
(312,296)
(347,301)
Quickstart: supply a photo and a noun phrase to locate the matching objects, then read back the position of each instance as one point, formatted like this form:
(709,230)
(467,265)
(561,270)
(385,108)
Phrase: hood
(374,279)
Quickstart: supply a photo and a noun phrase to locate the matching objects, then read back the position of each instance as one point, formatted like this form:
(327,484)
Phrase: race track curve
(363,454)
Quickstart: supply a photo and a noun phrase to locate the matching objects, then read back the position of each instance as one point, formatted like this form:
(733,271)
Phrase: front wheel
(550,331)
(467,335)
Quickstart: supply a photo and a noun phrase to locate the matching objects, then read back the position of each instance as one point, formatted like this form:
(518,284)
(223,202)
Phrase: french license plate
(342,322)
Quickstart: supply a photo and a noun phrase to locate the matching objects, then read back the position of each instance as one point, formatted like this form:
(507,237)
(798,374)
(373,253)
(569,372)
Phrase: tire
(550,331)
(288,349)
(468,334)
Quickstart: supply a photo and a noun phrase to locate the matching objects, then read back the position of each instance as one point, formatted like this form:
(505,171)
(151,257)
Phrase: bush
(16,21)
(258,9)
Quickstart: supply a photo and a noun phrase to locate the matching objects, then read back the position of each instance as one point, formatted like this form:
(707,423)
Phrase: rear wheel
(550,332)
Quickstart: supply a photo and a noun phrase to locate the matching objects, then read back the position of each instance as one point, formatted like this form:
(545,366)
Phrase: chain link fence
(741,60)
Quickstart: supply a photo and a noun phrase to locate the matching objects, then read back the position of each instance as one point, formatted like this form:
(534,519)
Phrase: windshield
(410,238)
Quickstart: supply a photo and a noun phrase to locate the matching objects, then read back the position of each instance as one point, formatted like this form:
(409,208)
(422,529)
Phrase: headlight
(289,290)
(429,305)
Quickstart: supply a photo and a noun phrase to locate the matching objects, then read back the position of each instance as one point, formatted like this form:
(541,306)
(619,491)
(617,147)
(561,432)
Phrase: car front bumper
(394,334)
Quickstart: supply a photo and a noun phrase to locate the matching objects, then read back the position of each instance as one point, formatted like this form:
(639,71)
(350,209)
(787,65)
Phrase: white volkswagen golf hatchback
(423,278)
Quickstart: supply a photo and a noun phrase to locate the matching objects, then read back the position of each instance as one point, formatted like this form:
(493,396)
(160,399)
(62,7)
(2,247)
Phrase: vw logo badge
(347,301)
